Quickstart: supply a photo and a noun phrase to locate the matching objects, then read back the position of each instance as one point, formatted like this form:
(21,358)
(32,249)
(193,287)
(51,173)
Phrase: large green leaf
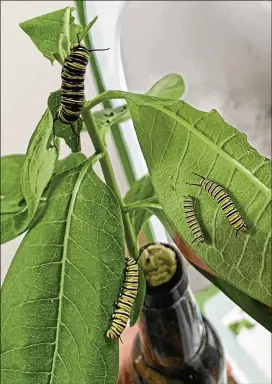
(11,191)
(39,164)
(177,140)
(17,216)
(58,295)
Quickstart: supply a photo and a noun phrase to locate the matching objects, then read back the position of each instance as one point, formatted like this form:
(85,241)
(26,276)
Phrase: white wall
(222,48)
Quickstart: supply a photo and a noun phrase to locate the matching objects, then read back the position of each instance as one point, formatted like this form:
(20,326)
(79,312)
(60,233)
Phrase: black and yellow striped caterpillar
(191,219)
(72,87)
(224,201)
(126,299)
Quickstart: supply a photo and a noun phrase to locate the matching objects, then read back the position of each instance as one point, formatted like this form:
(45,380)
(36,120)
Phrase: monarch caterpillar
(72,87)
(224,201)
(191,219)
(126,299)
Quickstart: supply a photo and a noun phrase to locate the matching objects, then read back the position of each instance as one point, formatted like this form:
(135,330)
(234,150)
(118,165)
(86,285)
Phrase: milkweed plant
(59,293)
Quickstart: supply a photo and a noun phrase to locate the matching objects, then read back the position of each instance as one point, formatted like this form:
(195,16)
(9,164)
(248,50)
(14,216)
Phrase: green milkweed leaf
(142,189)
(45,31)
(10,222)
(11,191)
(34,175)
(12,204)
(70,133)
(83,31)
(69,162)
(171,87)
(55,317)
(55,33)
(139,301)
(39,164)
(16,213)
(177,140)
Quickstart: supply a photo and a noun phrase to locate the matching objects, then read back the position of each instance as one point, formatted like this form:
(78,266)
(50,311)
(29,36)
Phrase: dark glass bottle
(175,344)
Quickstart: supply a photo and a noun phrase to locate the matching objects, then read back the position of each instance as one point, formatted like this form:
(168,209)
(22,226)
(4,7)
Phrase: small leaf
(12,204)
(10,222)
(177,140)
(171,87)
(45,31)
(142,189)
(39,164)
(11,191)
(69,162)
(237,326)
(68,270)
(139,301)
(83,32)
(70,133)
(11,167)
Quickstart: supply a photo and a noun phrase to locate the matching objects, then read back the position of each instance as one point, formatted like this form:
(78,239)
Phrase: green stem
(105,96)
(115,129)
(141,205)
(108,172)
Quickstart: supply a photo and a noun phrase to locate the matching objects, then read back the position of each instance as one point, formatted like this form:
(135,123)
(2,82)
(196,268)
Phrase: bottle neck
(171,327)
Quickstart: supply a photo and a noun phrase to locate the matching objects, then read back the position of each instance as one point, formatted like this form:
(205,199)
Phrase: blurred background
(223,51)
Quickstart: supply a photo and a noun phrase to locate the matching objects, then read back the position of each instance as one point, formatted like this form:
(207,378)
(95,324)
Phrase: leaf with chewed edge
(54,33)
(58,295)
(45,31)
(69,132)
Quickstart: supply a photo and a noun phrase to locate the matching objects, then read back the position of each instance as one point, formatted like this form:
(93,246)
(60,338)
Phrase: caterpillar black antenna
(102,49)
(198,175)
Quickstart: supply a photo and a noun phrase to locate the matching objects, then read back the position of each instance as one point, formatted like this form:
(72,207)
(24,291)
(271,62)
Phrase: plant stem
(108,172)
(141,205)
(115,129)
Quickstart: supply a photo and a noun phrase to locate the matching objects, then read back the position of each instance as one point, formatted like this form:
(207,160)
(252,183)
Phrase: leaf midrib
(216,148)
(80,178)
